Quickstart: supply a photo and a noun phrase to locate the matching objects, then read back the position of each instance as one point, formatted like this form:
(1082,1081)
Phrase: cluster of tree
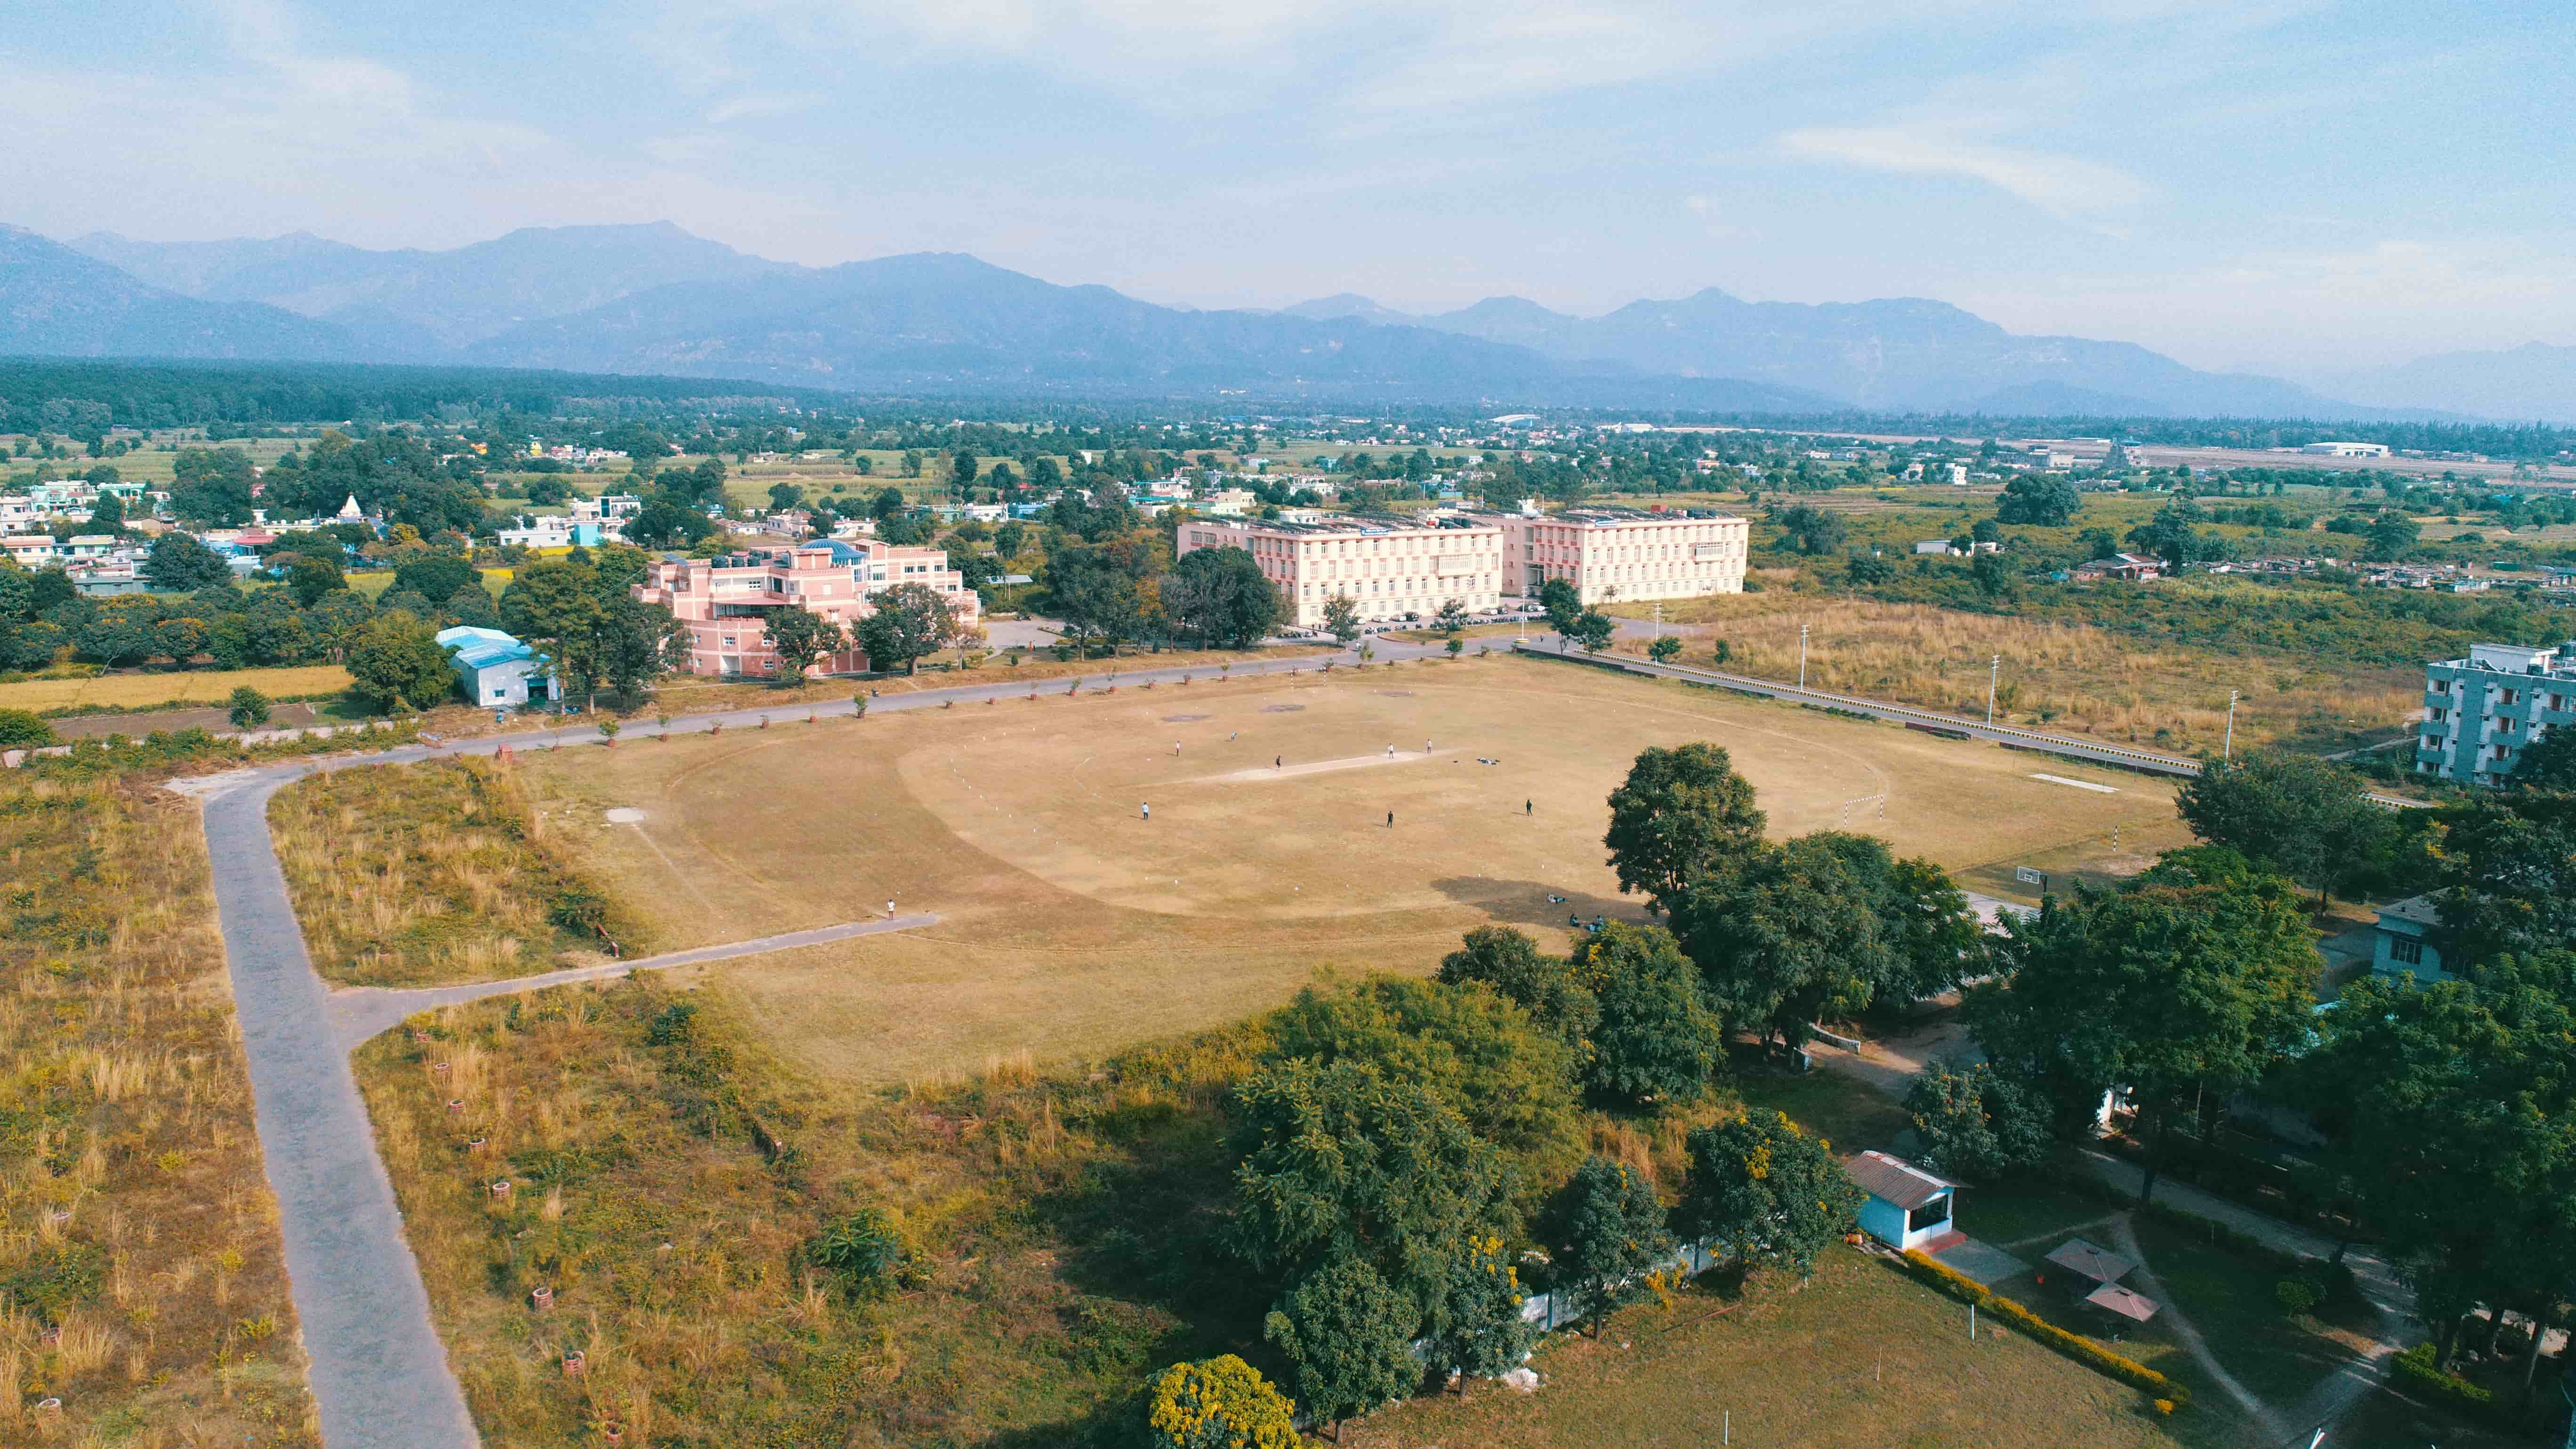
(905,624)
(1783,933)
(580,611)
(391,473)
(1118,586)
(1399,1134)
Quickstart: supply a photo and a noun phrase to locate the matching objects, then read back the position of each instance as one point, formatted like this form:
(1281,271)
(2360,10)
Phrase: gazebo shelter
(2091,1264)
(2113,1299)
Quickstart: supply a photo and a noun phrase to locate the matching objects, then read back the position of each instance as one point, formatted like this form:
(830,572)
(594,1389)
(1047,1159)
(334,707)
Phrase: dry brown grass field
(438,872)
(141,1277)
(1071,926)
(2073,678)
(136,691)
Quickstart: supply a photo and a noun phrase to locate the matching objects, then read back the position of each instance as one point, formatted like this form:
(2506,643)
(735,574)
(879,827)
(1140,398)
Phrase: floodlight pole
(2228,752)
(1994,675)
(1802,656)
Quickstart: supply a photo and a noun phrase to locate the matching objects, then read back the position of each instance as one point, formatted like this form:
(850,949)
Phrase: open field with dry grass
(2068,677)
(1072,927)
(1858,1358)
(141,1278)
(433,873)
(185,687)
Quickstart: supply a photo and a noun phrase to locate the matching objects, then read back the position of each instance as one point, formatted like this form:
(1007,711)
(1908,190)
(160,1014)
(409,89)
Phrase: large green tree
(210,487)
(1509,962)
(1977,1123)
(1562,605)
(1680,811)
(397,662)
(1607,1231)
(1783,935)
(2180,993)
(2309,818)
(1348,1337)
(803,638)
(1482,1333)
(556,603)
(905,623)
(1219,596)
(178,563)
(1337,1162)
(1654,1041)
(1763,1191)
(2038,500)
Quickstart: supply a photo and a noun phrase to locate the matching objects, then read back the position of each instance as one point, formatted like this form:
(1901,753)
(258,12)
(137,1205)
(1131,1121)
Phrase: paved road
(380,1376)
(358,1013)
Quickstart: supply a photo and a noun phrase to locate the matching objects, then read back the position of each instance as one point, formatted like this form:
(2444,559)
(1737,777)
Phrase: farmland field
(206,686)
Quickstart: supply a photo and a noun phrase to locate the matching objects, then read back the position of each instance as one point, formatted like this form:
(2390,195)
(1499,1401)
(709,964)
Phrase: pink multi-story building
(1624,554)
(726,601)
(1388,567)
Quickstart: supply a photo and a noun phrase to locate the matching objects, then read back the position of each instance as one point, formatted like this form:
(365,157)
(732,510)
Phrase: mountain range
(654,299)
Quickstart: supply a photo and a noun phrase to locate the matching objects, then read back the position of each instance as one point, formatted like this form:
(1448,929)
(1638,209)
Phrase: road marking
(2078,784)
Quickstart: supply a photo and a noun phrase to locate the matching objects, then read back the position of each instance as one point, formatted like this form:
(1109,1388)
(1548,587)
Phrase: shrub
(1218,1403)
(2295,1297)
(673,1027)
(22,729)
(249,709)
(2416,1369)
(863,1250)
(581,909)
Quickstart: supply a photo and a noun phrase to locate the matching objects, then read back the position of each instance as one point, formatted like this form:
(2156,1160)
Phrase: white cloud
(2066,187)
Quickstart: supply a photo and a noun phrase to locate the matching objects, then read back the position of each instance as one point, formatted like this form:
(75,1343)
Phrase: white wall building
(1389,567)
(1611,553)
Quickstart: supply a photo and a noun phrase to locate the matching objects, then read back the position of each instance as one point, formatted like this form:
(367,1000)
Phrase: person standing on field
(1146,810)
(1390,820)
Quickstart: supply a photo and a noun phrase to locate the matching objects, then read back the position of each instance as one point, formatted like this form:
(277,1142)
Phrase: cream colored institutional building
(1391,567)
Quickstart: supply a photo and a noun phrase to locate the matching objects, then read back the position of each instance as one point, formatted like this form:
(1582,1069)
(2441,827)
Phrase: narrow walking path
(2124,1238)
(380,1376)
(360,1012)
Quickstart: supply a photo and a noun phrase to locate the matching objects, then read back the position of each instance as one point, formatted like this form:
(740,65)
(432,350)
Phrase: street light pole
(2229,751)
(1802,656)
(1994,674)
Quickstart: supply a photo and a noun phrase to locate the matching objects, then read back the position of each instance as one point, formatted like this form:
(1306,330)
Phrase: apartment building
(1624,554)
(1390,567)
(726,601)
(2481,711)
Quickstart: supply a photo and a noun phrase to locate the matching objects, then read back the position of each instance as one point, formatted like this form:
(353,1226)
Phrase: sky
(2287,186)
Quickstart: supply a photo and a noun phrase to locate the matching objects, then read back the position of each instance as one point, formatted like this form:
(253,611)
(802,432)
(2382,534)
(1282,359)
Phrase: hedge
(2414,1368)
(2085,1351)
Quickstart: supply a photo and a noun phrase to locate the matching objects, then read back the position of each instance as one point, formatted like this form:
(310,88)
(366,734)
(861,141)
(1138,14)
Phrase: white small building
(1907,1207)
(2346,450)
(29,550)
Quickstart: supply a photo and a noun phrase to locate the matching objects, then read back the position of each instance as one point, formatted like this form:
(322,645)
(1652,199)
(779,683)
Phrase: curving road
(379,1374)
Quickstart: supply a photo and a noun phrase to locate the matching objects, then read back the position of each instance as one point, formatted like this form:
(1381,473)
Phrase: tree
(638,643)
(1811,530)
(905,623)
(1765,1193)
(2548,764)
(1342,619)
(1993,576)
(2392,535)
(1219,596)
(1783,934)
(1665,650)
(1593,630)
(961,470)
(436,576)
(1218,1403)
(556,602)
(1482,1333)
(2169,536)
(1337,1163)
(2309,818)
(1094,593)
(249,709)
(1931,938)
(2507,872)
(661,523)
(211,487)
(1452,618)
(2175,991)
(179,564)
(106,514)
(2439,1097)
(1977,1124)
(1511,964)
(784,496)
(1678,812)
(1558,600)
(2038,500)
(1349,1338)
(803,638)
(311,576)
(1655,1041)
(1868,568)
(1480,1052)
(397,662)
(1609,1232)
(2095,543)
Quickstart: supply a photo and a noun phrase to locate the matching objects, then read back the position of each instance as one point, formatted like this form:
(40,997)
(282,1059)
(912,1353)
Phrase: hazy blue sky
(2261,183)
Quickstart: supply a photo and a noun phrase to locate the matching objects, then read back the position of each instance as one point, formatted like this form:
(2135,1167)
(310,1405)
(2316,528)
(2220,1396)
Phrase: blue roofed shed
(493,667)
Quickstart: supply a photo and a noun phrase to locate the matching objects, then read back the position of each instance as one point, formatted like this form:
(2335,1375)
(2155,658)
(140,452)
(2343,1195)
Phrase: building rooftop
(1893,1179)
